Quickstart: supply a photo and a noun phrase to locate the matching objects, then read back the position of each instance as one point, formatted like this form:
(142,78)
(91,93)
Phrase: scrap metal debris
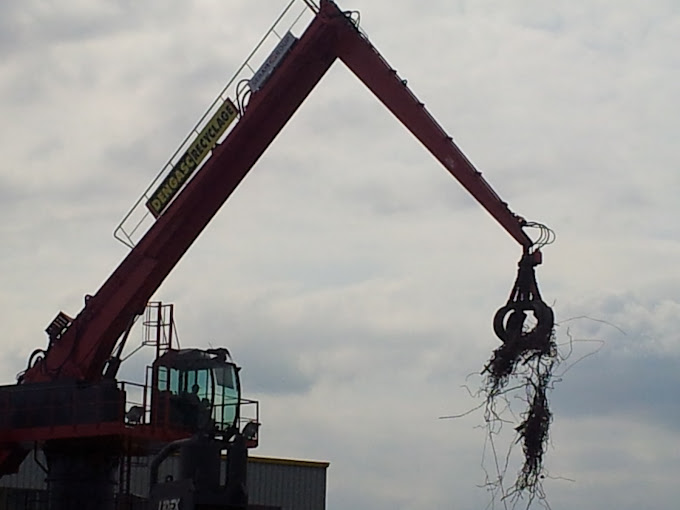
(525,325)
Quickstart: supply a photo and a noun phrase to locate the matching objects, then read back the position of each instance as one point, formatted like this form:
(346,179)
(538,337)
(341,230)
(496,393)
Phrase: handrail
(129,227)
(313,6)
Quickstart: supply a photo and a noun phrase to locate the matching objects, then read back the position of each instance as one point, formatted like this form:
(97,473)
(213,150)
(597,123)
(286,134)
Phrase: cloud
(353,279)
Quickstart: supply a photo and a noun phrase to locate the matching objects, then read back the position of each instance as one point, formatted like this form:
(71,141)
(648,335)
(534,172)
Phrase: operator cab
(196,390)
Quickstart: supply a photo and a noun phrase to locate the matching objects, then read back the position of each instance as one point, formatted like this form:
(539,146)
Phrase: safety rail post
(122,402)
(146,418)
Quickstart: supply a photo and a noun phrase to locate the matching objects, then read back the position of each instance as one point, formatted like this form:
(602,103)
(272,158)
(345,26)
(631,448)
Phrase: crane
(80,363)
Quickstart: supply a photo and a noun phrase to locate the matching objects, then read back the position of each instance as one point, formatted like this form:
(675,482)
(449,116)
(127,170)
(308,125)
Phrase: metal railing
(294,19)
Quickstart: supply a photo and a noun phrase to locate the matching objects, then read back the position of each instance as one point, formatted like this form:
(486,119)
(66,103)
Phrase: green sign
(199,149)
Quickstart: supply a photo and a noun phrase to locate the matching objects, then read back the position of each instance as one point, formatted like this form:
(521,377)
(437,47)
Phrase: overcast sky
(350,275)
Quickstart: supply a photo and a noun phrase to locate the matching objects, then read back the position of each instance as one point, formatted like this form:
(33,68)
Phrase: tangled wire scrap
(527,356)
(532,366)
(533,370)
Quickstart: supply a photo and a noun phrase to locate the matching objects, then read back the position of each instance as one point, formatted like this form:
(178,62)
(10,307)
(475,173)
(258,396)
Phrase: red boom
(83,350)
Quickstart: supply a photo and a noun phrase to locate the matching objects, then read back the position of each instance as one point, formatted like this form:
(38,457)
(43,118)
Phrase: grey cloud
(347,274)
(633,354)
(640,322)
(270,375)
(9,195)
(33,24)
(621,387)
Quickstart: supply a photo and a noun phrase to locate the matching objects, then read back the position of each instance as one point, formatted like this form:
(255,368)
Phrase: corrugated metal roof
(289,462)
